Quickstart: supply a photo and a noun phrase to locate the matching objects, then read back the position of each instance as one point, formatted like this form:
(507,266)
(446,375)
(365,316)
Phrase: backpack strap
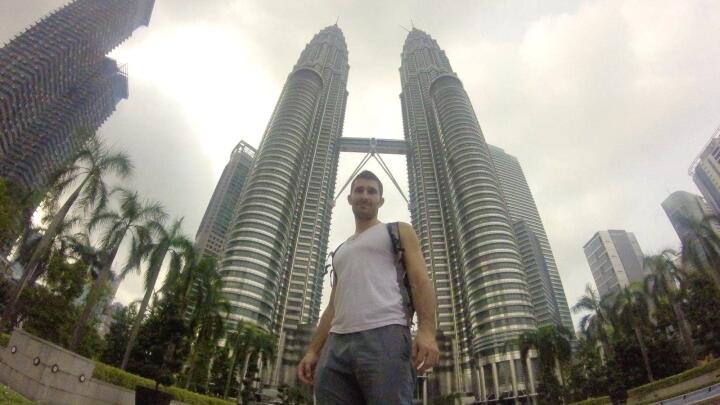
(333,273)
(402,277)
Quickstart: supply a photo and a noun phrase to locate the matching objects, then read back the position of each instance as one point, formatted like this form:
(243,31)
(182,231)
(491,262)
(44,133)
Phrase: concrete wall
(48,374)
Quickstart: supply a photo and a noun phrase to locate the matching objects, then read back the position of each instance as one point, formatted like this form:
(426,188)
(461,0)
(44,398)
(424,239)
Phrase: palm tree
(664,282)
(208,317)
(596,324)
(180,282)
(132,219)
(169,241)
(631,305)
(552,343)
(238,342)
(90,166)
(257,342)
(701,245)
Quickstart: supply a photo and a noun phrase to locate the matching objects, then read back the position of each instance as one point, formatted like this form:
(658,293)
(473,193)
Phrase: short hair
(367,175)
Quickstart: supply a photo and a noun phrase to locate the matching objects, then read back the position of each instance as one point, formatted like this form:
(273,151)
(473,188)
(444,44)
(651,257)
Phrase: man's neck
(363,224)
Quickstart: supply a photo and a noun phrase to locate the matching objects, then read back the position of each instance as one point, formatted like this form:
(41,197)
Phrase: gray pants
(368,367)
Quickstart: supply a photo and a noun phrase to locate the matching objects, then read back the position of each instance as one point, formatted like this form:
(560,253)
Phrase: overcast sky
(605,103)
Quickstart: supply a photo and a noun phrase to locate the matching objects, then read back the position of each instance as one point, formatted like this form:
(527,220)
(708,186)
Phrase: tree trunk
(246,363)
(39,252)
(644,352)
(93,298)
(191,363)
(233,361)
(685,333)
(155,272)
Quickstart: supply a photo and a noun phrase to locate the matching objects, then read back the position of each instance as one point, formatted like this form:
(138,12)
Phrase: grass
(10,397)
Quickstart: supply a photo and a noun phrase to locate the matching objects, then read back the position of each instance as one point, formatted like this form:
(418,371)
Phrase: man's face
(365,199)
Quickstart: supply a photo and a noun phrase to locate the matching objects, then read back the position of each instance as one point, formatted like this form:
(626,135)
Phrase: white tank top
(367,294)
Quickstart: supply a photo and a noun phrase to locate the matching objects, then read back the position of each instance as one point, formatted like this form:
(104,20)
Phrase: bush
(675,379)
(594,401)
(4,339)
(121,378)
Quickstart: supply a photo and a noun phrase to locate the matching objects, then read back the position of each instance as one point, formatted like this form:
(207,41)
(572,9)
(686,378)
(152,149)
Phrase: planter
(148,396)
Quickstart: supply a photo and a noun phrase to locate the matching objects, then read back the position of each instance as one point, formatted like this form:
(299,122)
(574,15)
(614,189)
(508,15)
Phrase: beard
(364,214)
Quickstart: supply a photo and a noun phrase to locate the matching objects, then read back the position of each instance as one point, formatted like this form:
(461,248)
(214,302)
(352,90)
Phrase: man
(361,352)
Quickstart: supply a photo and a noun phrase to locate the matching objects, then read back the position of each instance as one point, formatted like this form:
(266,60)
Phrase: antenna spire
(336,20)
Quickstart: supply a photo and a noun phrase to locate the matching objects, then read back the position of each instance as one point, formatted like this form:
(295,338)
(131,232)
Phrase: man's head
(366,195)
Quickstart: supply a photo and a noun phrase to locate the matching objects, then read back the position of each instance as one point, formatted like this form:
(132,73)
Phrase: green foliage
(161,344)
(588,375)
(552,344)
(675,379)
(702,295)
(12,207)
(594,401)
(127,380)
(66,279)
(10,397)
(118,335)
(4,339)
(49,311)
(219,372)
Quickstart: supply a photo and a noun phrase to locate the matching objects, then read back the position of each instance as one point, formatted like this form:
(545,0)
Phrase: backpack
(393,229)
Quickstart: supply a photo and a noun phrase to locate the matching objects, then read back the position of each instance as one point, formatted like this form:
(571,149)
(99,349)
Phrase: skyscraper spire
(273,261)
(464,226)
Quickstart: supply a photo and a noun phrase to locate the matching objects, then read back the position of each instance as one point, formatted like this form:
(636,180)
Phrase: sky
(605,103)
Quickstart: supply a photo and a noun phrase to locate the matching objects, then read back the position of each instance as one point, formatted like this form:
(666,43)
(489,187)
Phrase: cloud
(605,103)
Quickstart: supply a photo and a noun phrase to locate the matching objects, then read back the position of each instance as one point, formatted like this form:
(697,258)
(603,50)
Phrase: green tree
(552,344)
(168,242)
(162,344)
(596,324)
(588,375)
(11,209)
(90,167)
(207,321)
(701,245)
(48,310)
(631,305)
(131,220)
(665,283)
(118,334)
(701,296)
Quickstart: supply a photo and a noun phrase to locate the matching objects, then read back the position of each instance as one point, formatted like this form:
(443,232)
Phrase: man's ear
(382,201)
(348,198)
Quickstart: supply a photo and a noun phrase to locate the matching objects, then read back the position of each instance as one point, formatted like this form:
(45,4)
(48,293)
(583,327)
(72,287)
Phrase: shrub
(121,378)
(594,401)
(4,339)
(675,379)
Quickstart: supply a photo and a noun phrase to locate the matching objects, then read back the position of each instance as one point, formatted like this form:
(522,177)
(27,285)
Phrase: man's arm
(425,350)
(306,368)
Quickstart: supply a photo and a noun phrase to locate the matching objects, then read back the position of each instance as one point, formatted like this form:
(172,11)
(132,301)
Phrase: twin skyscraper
(481,235)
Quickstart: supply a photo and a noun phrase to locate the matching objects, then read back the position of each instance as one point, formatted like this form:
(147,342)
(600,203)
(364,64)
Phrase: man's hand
(306,368)
(424,352)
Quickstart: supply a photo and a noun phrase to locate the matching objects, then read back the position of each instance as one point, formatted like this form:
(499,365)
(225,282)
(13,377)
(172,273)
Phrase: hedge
(121,378)
(4,339)
(646,389)
(594,401)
